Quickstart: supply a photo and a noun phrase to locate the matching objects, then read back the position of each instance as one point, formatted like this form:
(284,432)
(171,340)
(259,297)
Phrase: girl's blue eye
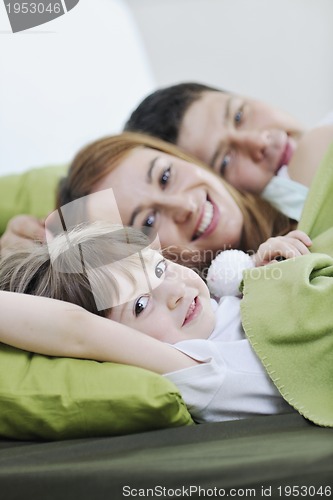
(165,177)
(224,164)
(150,221)
(160,268)
(140,305)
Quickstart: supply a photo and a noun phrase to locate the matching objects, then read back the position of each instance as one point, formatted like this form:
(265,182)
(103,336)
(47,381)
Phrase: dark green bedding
(264,452)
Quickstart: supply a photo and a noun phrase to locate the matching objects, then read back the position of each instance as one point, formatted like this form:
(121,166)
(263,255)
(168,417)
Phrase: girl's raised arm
(56,328)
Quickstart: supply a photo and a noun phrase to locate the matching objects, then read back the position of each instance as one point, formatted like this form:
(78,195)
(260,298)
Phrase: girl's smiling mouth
(193,311)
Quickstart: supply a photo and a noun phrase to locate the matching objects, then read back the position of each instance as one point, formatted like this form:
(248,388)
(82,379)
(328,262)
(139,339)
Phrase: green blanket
(287,311)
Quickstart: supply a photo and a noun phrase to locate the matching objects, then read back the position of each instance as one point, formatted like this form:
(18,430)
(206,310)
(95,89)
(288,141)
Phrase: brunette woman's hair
(161,113)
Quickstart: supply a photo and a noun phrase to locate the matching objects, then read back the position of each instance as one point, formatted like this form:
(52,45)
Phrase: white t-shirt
(286,195)
(231,383)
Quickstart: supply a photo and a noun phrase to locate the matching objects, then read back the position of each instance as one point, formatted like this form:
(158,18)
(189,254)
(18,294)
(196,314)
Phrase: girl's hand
(291,245)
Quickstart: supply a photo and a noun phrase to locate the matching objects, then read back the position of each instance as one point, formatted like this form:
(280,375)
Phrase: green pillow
(31,192)
(58,398)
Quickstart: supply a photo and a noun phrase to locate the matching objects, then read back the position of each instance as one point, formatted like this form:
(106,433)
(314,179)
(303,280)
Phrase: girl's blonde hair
(58,269)
(97,160)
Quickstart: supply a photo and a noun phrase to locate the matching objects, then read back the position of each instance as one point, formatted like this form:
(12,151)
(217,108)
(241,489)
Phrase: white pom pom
(226,272)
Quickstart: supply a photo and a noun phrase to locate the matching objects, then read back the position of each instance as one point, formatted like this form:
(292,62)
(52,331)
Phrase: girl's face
(244,140)
(187,205)
(163,300)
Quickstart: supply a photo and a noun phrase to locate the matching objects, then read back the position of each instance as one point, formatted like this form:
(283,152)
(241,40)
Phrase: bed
(82,429)
(240,458)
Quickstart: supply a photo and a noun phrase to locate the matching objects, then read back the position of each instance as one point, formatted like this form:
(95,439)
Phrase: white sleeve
(199,384)
(286,195)
(230,383)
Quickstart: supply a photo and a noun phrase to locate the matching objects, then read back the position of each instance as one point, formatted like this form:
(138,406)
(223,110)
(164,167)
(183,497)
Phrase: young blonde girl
(117,274)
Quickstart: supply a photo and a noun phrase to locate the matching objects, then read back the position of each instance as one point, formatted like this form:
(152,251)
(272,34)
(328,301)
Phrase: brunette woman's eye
(225,163)
(164,179)
(141,304)
(238,117)
(160,268)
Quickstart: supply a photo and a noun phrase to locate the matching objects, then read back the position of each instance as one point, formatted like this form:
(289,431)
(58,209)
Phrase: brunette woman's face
(187,205)
(244,140)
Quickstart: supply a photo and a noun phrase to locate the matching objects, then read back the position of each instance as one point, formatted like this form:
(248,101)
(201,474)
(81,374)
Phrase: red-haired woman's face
(184,203)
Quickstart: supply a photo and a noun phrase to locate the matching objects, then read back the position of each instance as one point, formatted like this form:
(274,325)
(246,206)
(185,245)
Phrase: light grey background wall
(277,50)
(78,77)
(68,82)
